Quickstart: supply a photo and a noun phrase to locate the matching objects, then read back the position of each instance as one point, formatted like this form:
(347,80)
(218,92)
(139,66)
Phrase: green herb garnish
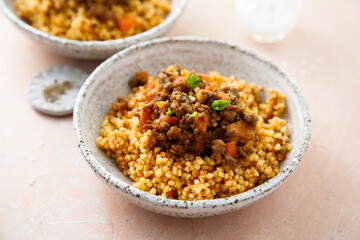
(194,114)
(220,105)
(168,112)
(192,81)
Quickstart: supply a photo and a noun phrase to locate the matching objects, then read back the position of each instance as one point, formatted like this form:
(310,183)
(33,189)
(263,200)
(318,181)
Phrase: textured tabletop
(48,191)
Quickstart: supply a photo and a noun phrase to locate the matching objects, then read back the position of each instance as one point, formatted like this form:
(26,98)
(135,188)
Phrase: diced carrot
(170,119)
(151,92)
(212,86)
(145,115)
(151,88)
(223,96)
(201,123)
(206,78)
(231,149)
(125,23)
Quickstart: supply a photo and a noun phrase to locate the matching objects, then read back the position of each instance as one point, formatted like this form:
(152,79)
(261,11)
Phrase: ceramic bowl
(110,80)
(91,49)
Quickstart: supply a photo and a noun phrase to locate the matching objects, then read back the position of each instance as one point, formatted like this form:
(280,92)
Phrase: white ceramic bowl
(91,49)
(110,80)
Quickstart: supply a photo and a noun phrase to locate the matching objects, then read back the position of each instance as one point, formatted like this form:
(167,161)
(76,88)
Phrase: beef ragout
(194,114)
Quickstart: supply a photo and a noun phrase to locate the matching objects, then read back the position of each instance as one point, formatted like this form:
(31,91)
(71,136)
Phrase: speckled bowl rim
(254,193)
(121,42)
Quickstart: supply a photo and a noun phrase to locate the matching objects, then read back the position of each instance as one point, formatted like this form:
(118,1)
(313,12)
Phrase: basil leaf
(168,112)
(192,81)
(220,105)
(194,114)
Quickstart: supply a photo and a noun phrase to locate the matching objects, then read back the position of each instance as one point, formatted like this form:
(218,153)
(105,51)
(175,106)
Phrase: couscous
(92,20)
(190,136)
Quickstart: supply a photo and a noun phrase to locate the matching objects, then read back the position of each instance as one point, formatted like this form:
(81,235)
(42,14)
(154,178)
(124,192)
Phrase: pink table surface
(48,191)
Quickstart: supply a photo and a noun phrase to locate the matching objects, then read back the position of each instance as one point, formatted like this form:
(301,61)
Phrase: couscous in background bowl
(90,49)
(110,80)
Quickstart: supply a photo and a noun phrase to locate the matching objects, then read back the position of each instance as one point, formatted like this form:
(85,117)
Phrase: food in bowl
(92,20)
(190,136)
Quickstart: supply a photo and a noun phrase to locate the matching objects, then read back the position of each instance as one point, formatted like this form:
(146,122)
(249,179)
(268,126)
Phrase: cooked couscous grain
(90,20)
(191,176)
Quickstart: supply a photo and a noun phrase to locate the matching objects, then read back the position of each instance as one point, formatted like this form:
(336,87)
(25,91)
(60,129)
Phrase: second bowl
(91,49)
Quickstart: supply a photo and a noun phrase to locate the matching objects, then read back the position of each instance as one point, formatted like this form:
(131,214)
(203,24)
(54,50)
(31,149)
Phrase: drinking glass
(268,20)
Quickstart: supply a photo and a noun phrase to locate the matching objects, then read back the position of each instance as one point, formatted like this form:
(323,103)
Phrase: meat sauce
(194,114)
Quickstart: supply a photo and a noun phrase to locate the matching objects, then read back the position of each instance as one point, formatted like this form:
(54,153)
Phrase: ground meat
(179,105)
(225,89)
(101,12)
(203,85)
(201,142)
(218,133)
(250,119)
(203,95)
(120,105)
(175,133)
(177,149)
(157,126)
(203,108)
(242,153)
(234,92)
(159,136)
(218,147)
(187,121)
(150,104)
(182,119)
(228,115)
(230,161)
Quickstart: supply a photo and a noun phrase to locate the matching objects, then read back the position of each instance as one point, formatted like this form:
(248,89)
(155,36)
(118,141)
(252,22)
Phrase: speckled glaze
(110,79)
(91,49)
